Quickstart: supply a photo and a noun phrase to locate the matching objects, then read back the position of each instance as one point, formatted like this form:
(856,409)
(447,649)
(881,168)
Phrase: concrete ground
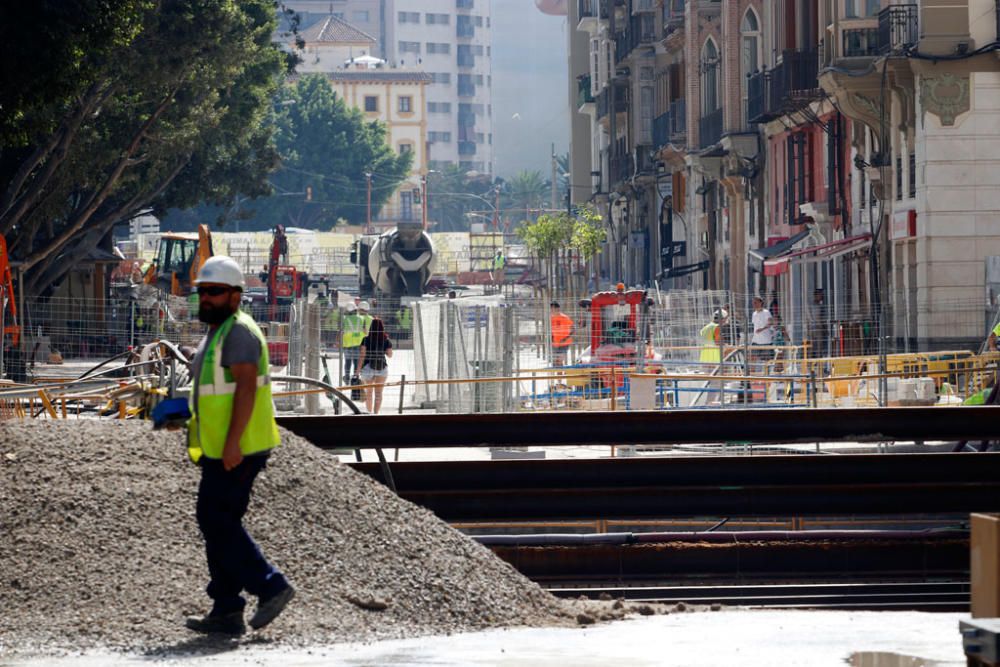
(729,637)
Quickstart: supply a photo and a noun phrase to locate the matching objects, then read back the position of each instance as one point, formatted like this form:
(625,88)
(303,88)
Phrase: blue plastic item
(172,411)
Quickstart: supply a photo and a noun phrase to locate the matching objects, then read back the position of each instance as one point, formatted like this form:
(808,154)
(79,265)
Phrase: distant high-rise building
(451,40)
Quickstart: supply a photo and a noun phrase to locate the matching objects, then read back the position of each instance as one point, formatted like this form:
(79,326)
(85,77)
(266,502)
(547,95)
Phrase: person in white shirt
(763,329)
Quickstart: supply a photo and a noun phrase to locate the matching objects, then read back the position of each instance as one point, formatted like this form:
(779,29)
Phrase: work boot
(225,624)
(268,610)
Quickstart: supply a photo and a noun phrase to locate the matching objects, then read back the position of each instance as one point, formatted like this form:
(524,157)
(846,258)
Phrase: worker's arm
(991,342)
(243,398)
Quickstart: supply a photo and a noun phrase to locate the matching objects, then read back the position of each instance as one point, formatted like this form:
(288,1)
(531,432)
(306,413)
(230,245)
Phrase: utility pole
(426,202)
(368,216)
(553,203)
(496,208)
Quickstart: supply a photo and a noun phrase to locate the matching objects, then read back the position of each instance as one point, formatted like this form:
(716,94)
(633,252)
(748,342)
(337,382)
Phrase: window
(406,205)
(409,47)
(405,104)
(409,17)
(899,178)
(439,107)
(437,19)
(913,175)
(709,78)
(440,77)
(360,16)
(750,55)
(479,21)
(371,103)
(405,148)
(439,137)
(480,138)
(439,48)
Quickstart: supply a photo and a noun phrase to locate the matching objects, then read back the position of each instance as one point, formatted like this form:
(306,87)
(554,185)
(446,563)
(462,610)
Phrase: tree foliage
(326,148)
(525,191)
(138,105)
(453,195)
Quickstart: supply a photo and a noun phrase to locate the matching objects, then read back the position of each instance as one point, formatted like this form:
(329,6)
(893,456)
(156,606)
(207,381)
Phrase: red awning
(827,251)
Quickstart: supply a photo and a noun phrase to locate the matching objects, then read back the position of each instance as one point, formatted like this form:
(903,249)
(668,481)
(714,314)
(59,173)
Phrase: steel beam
(698,487)
(653,427)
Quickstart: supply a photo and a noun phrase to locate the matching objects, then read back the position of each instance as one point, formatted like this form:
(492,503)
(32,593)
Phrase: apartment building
(846,146)
(398,98)
(452,41)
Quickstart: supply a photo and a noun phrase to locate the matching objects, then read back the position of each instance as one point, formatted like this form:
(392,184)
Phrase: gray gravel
(99,548)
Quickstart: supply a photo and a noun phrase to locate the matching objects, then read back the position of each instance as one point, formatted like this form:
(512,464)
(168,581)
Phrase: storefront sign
(904,224)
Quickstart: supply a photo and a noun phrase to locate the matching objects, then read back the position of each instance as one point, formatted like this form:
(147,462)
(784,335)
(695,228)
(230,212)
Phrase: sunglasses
(212,290)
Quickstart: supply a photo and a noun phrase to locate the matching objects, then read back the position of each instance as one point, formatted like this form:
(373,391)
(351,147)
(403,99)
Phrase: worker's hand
(231,457)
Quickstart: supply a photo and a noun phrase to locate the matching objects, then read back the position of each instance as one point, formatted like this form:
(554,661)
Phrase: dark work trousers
(235,563)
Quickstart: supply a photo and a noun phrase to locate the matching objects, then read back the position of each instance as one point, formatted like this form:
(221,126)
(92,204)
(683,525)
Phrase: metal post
(402,391)
(311,340)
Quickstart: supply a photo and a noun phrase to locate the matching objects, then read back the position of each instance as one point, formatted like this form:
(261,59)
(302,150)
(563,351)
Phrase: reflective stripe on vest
(216,389)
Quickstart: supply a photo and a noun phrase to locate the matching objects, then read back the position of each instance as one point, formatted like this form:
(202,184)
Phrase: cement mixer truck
(396,264)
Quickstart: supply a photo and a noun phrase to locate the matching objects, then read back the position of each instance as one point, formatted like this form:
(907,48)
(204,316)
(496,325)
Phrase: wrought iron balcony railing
(897,28)
(710,128)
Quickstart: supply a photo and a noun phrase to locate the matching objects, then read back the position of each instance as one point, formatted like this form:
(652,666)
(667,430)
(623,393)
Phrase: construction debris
(101,548)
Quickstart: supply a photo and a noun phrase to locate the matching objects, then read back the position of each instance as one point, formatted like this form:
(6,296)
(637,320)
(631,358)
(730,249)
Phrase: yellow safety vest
(209,424)
(355,329)
(710,349)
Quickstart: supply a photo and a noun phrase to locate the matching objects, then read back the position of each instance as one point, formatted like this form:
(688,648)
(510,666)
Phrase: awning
(820,253)
(759,255)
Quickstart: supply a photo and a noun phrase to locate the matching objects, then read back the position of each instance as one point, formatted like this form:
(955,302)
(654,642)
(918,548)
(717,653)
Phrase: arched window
(709,77)
(750,51)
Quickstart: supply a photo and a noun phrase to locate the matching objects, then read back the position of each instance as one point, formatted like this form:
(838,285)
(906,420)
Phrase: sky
(530,84)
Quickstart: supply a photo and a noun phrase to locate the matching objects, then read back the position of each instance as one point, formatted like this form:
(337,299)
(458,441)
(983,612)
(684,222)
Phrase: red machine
(284,282)
(7,300)
(615,324)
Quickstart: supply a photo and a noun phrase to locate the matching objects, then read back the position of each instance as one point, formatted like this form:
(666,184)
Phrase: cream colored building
(398,98)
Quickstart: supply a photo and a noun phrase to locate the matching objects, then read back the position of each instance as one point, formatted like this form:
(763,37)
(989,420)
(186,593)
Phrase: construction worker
(992,342)
(405,319)
(499,263)
(562,334)
(355,327)
(711,335)
(230,435)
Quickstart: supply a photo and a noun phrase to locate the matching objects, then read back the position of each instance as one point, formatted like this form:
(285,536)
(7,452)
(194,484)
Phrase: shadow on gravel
(201,645)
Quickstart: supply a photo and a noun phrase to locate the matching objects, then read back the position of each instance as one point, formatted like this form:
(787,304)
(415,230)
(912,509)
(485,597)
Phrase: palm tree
(525,191)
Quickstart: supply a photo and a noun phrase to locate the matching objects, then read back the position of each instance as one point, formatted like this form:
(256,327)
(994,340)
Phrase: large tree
(456,198)
(326,148)
(142,104)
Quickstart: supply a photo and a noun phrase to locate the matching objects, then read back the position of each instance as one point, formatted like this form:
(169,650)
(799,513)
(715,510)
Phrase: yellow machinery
(179,258)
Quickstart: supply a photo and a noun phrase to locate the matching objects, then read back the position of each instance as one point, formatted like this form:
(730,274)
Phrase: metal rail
(654,427)
(875,596)
(635,488)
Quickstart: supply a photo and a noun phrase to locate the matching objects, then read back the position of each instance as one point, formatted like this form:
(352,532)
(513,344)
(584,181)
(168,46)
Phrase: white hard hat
(221,270)
(364,305)
(350,307)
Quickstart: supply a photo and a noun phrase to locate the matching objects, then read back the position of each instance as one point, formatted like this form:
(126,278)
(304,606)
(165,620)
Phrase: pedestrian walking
(230,435)
(376,349)
(562,334)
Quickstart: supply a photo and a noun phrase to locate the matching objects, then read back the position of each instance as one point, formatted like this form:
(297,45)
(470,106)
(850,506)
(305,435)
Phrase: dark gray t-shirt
(240,347)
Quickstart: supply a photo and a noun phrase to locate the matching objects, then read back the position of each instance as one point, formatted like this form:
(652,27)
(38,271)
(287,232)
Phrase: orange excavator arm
(7,294)
(204,252)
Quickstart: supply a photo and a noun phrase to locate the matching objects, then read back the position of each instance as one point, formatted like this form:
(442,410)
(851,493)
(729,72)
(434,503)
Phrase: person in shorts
(376,349)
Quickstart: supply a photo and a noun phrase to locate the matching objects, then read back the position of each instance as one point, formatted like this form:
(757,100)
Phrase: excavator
(285,283)
(179,258)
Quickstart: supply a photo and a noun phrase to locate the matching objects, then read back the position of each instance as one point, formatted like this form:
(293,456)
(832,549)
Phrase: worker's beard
(214,315)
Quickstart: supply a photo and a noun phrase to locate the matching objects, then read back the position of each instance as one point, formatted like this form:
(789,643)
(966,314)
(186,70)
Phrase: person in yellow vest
(710,336)
(230,435)
(356,322)
(562,334)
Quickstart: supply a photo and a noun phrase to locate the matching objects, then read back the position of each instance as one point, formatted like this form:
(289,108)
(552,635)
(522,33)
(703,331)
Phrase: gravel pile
(99,548)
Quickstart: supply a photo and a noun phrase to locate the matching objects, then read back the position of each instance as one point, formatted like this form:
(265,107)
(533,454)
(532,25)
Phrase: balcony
(465,30)
(772,93)
(897,28)
(638,32)
(466,148)
(661,130)
(590,11)
(620,168)
(583,94)
(669,127)
(603,101)
(466,59)
(466,90)
(710,128)
(464,4)
(859,42)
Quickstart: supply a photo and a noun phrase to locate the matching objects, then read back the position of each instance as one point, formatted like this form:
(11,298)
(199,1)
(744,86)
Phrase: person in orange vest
(562,334)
